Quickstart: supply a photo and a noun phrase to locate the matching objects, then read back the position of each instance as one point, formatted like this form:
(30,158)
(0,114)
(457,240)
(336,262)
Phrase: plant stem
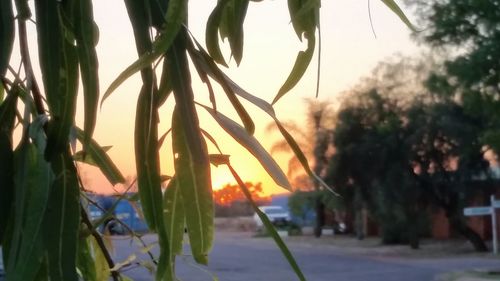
(115,274)
(32,85)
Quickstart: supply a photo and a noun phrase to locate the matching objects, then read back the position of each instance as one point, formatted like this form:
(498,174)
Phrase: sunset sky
(350,51)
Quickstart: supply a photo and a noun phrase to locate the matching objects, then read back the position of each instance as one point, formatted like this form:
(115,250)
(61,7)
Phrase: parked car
(276,214)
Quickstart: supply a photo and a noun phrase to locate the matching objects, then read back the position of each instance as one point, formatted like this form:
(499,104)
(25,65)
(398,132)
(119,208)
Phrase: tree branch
(115,274)
(32,85)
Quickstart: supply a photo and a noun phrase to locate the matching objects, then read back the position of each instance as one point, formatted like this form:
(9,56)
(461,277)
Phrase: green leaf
(176,15)
(207,65)
(269,226)
(102,160)
(192,166)
(397,10)
(85,260)
(193,177)
(101,266)
(62,220)
(174,217)
(165,88)
(82,156)
(253,146)
(212,70)
(33,180)
(6,35)
(237,12)
(301,63)
(212,32)
(148,175)
(59,65)
(7,119)
(158,10)
(85,34)
(304,16)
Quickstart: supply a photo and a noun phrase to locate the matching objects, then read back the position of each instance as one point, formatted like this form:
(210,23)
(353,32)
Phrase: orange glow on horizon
(268,59)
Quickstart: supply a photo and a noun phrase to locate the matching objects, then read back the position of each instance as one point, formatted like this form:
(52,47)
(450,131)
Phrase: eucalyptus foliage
(45,232)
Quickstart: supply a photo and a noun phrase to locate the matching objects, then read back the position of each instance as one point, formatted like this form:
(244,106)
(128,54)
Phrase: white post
(494,224)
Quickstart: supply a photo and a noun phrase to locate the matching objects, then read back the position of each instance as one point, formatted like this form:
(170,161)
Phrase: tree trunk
(459,225)
(320,217)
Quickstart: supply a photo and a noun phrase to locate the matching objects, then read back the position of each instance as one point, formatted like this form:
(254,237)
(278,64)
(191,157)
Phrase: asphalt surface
(240,257)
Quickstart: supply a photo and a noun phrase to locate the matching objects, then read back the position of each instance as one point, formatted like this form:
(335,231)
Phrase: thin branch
(115,274)
(28,68)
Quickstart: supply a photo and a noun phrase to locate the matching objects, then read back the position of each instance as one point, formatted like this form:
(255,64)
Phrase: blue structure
(123,211)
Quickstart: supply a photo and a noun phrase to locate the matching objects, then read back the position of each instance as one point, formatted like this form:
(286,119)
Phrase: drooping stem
(85,219)
(32,85)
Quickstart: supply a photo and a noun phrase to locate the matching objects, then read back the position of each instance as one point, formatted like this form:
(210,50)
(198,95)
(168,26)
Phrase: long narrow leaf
(193,176)
(269,225)
(146,124)
(85,260)
(33,181)
(206,65)
(237,12)
(397,10)
(148,174)
(57,53)
(62,220)
(253,146)
(301,63)
(212,70)
(102,160)
(6,34)
(192,166)
(176,14)
(85,34)
(7,118)
(212,32)
(101,266)
(174,217)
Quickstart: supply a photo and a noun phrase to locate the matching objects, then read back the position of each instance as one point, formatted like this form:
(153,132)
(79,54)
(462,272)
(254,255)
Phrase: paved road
(239,257)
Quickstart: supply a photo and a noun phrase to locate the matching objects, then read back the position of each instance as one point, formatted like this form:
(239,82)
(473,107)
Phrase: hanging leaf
(192,166)
(7,119)
(85,34)
(33,180)
(85,260)
(59,65)
(193,176)
(62,220)
(165,88)
(212,32)
(299,68)
(208,66)
(176,15)
(237,12)
(253,146)
(397,10)
(101,266)
(304,16)
(269,225)
(148,174)
(6,35)
(101,159)
(174,217)
(81,156)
